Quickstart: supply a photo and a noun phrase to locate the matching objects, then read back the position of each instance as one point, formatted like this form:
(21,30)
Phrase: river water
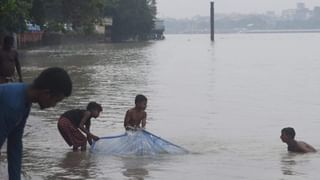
(225,101)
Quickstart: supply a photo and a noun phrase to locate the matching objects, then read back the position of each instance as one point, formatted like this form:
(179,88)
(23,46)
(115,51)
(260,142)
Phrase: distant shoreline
(257,31)
(283,31)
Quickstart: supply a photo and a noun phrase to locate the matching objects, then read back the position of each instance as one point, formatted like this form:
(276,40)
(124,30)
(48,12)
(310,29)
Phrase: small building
(156,33)
(316,12)
(301,13)
(108,29)
(105,28)
(158,30)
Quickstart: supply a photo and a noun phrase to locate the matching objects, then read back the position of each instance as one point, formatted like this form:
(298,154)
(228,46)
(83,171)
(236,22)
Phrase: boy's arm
(18,67)
(89,138)
(144,121)
(126,119)
(310,148)
(306,147)
(14,151)
(84,119)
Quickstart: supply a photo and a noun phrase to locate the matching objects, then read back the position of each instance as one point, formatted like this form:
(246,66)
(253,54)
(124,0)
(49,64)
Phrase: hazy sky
(189,8)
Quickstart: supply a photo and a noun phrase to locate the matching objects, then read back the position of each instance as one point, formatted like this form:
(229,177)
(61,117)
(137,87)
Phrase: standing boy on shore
(49,88)
(9,61)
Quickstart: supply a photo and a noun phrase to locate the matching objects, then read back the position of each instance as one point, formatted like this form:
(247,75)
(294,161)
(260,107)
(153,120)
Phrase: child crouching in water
(137,115)
(287,136)
(73,123)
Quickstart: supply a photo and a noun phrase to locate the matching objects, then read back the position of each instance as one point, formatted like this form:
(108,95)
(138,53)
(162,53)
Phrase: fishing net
(139,143)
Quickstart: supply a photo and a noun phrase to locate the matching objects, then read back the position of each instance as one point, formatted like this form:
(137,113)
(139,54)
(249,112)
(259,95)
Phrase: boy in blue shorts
(49,88)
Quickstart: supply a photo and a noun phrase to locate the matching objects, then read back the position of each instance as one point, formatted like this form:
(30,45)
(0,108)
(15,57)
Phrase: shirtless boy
(136,116)
(9,61)
(287,136)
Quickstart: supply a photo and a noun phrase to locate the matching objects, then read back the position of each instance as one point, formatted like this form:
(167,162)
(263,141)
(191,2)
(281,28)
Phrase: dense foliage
(132,19)
(13,14)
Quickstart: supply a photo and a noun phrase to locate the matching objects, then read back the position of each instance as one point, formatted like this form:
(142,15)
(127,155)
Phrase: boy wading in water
(9,61)
(74,123)
(49,88)
(287,136)
(137,115)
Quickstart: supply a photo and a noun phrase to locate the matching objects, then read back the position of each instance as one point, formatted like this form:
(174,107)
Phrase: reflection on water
(288,164)
(110,74)
(135,168)
(299,166)
(75,165)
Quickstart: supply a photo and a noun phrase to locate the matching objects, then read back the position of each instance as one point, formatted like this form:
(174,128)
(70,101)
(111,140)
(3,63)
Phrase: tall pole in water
(212,20)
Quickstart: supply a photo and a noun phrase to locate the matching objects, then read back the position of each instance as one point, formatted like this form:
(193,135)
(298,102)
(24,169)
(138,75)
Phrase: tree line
(131,18)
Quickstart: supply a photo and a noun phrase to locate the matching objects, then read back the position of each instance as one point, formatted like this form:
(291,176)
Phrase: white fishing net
(140,143)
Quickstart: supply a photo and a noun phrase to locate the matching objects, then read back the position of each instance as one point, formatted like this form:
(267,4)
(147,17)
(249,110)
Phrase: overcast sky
(190,8)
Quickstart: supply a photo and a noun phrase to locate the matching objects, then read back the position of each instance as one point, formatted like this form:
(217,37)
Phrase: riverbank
(52,38)
(282,31)
(217,31)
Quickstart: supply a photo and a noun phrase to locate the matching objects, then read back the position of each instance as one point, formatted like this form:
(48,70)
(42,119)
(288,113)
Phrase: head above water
(287,133)
(52,85)
(141,101)
(94,108)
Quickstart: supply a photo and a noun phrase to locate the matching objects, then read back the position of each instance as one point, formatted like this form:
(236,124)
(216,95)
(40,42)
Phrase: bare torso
(134,117)
(7,62)
(300,147)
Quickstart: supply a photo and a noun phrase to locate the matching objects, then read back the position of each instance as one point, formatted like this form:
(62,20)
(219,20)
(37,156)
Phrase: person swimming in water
(288,135)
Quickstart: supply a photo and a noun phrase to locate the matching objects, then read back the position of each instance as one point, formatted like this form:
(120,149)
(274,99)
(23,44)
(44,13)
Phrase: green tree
(110,7)
(132,19)
(153,7)
(13,14)
(37,12)
(83,14)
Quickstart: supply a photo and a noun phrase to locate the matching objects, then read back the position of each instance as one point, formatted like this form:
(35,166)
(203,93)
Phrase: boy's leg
(75,148)
(3,133)
(64,129)
(83,148)
(79,140)
(14,151)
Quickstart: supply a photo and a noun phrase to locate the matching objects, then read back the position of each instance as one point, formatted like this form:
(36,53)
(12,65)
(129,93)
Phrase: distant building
(316,12)
(105,28)
(301,13)
(288,14)
(301,6)
(271,14)
(32,27)
(158,30)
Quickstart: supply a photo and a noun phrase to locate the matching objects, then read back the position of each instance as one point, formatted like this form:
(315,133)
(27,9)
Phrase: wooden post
(212,20)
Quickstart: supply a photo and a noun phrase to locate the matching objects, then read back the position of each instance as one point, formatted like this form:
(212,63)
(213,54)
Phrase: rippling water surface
(225,101)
